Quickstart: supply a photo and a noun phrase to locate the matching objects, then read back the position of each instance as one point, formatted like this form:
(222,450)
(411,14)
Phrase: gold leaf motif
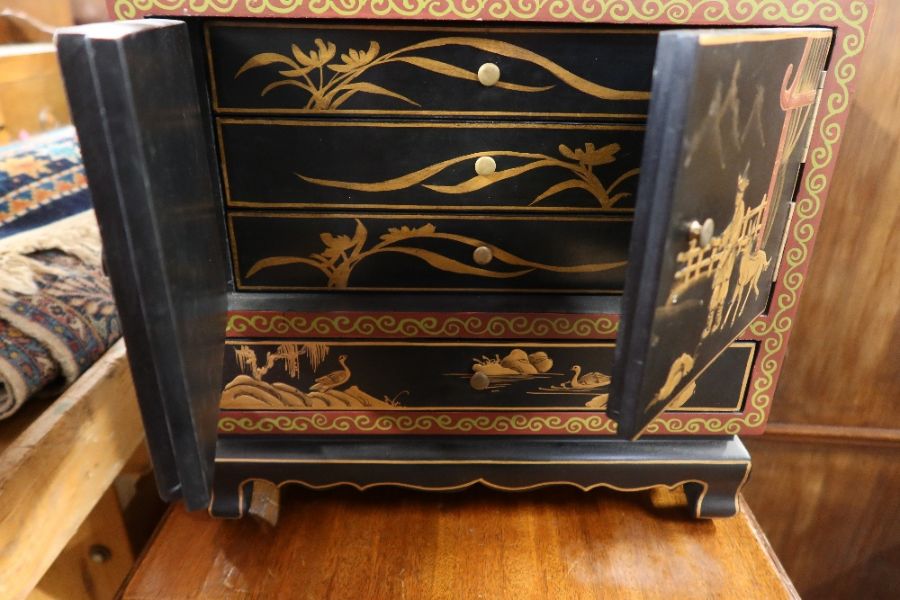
(264,59)
(584,178)
(331,94)
(334,262)
(354,59)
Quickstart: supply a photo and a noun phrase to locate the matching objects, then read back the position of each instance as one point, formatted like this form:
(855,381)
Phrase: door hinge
(784,239)
(815,112)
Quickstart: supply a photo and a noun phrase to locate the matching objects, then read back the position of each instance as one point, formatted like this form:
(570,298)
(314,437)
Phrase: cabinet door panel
(141,129)
(730,116)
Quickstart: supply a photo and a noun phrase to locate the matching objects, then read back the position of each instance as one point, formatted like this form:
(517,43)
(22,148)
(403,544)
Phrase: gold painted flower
(590,155)
(335,244)
(405,232)
(355,59)
(315,58)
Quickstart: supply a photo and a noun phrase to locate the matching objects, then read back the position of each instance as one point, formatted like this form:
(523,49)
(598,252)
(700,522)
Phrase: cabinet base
(712,471)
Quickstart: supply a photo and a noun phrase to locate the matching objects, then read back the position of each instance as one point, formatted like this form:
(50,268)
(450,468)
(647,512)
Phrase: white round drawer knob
(488,74)
(480,381)
(482,255)
(485,165)
(702,232)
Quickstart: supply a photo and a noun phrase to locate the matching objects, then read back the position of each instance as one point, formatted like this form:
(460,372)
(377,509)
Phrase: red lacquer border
(245,324)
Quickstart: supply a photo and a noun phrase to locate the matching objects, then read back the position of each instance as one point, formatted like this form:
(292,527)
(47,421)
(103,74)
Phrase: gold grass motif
(343,253)
(306,70)
(584,162)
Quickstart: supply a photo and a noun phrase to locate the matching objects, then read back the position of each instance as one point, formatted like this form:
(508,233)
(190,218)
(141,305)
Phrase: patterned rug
(41,180)
(57,315)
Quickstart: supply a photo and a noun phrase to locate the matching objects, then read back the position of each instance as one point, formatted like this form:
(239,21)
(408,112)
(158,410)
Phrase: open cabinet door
(730,118)
(135,102)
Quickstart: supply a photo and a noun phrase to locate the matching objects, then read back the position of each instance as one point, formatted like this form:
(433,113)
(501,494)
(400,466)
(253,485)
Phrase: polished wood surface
(388,543)
(56,469)
(826,480)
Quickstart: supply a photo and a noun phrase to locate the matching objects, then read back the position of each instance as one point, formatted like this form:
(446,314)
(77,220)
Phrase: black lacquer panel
(725,139)
(429,165)
(371,375)
(343,252)
(141,127)
(322,69)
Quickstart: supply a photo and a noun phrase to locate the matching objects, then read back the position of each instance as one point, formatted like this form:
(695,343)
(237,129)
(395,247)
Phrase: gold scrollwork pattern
(315,423)
(240,325)
(851,16)
(614,11)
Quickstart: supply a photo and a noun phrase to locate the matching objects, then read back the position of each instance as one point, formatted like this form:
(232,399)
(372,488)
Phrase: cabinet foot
(250,471)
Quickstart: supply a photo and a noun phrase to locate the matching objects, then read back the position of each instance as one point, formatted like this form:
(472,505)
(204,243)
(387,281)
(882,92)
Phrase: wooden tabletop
(395,544)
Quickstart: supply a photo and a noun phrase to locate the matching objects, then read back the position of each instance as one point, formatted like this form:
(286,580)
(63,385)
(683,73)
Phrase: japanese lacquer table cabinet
(442,243)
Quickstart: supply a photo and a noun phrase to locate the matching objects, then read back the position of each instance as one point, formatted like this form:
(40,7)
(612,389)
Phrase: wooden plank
(31,90)
(390,543)
(95,562)
(54,473)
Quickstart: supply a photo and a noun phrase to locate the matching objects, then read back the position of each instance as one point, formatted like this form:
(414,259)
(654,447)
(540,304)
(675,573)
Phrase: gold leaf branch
(340,86)
(343,253)
(580,163)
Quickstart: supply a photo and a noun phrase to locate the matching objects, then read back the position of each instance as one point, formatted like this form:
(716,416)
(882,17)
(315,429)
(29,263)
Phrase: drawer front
(430,165)
(321,69)
(349,375)
(310,251)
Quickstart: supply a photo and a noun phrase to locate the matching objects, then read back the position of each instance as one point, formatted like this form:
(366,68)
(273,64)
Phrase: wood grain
(556,543)
(842,364)
(831,511)
(826,477)
(53,474)
(32,98)
(75,575)
(47,14)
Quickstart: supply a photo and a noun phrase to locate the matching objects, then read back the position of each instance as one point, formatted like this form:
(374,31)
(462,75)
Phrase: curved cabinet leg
(717,497)
(230,498)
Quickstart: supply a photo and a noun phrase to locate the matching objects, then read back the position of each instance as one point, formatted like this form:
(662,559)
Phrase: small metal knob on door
(702,232)
(485,165)
(488,74)
(480,381)
(482,255)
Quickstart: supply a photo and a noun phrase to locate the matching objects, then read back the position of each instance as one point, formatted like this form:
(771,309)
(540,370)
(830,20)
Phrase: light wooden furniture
(33,20)
(96,560)
(32,98)
(56,465)
(388,543)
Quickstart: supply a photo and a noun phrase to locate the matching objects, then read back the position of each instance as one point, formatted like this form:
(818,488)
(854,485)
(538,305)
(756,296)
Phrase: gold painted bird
(333,379)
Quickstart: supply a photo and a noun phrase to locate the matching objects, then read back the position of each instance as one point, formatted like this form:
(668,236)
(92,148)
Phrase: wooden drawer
(429,165)
(331,69)
(366,375)
(311,251)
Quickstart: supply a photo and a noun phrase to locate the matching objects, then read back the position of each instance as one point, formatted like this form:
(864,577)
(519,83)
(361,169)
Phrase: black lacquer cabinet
(433,255)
